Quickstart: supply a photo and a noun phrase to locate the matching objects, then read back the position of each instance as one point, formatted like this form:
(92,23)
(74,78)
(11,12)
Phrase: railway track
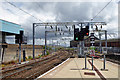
(110,57)
(113,60)
(33,70)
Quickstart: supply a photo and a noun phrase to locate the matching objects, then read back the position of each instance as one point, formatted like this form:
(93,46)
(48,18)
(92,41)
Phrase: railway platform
(73,68)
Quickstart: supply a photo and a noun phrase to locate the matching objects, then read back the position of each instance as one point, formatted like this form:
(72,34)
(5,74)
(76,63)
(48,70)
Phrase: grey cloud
(73,11)
(67,11)
(39,7)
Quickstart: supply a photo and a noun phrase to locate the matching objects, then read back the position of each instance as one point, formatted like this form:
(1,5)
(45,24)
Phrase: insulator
(66,26)
(101,26)
(51,27)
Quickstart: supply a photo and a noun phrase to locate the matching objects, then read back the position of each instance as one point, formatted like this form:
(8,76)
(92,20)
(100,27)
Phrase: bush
(29,57)
(47,53)
(44,47)
(50,48)
(39,56)
(2,65)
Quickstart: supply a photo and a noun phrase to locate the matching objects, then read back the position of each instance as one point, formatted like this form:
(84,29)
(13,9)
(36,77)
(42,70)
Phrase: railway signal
(17,39)
(21,36)
(76,33)
(85,30)
(81,36)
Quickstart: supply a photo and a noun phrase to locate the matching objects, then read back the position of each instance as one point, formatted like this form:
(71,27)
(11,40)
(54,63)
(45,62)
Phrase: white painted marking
(25,62)
(51,70)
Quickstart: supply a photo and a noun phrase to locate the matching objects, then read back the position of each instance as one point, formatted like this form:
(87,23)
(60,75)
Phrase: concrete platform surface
(73,68)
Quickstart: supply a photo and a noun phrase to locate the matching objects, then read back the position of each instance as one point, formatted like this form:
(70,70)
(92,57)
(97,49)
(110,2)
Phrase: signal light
(76,38)
(76,34)
(87,33)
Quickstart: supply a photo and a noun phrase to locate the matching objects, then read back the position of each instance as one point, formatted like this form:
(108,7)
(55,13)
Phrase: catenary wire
(23,10)
(101,10)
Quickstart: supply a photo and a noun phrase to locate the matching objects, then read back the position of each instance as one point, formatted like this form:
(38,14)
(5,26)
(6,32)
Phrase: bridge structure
(8,29)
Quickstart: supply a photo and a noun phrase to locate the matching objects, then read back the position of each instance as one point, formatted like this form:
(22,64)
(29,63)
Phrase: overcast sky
(59,11)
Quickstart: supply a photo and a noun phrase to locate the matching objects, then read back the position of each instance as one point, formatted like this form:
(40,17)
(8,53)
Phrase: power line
(23,10)
(101,10)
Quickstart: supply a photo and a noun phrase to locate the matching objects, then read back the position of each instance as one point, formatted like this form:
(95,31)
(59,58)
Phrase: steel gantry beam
(68,23)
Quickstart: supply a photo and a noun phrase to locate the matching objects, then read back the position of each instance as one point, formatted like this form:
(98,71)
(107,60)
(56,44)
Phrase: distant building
(110,42)
(86,39)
